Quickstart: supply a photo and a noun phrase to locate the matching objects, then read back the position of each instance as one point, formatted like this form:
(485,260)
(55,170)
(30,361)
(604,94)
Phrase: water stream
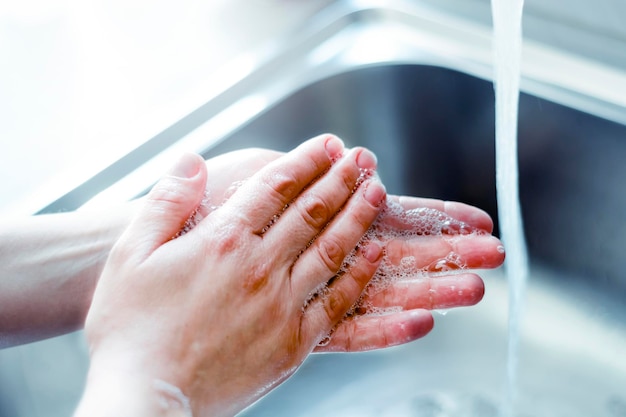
(507,18)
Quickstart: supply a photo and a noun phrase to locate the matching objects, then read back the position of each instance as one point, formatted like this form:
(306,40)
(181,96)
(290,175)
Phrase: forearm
(50,266)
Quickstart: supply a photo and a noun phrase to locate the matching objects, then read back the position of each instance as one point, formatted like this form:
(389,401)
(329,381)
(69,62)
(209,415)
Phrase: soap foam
(394,223)
(198,214)
(397,223)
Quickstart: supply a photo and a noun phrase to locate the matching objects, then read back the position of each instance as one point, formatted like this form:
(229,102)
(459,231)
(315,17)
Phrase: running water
(507,19)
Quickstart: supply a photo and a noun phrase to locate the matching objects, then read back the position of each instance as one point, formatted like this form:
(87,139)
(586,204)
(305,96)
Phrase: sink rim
(418,35)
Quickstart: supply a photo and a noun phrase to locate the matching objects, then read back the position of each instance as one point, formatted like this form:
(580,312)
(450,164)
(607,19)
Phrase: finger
(377,332)
(168,205)
(282,180)
(436,253)
(428,293)
(326,254)
(471,215)
(311,212)
(231,169)
(329,305)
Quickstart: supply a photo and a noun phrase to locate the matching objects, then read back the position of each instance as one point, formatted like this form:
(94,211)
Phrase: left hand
(428,289)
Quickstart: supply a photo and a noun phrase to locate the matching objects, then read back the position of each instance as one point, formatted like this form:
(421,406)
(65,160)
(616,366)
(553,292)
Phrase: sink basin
(414,87)
(432,130)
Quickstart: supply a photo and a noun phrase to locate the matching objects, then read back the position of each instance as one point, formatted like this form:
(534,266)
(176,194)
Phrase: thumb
(169,204)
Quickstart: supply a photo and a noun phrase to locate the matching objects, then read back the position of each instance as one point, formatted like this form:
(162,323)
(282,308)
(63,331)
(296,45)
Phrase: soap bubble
(393,223)
(198,214)
(396,223)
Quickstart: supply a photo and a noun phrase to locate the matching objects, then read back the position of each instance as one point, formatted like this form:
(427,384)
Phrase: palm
(406,300)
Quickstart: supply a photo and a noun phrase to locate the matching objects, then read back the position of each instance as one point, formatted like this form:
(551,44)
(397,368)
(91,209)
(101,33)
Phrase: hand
(218,314)
(414,296)
(51,263)
(429,288)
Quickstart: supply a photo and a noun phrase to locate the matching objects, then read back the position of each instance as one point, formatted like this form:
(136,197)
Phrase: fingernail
(372,252)
(334,147)
(366,159)
(375,193)
(186,167)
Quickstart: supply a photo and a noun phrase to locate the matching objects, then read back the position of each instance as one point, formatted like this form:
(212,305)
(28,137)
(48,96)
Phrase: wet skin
(225,312)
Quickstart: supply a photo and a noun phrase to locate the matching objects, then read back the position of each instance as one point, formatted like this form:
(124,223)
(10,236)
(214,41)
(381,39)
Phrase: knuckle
(336,303)
(349,180)
(361,274)
(257,278)
(166,191)
(383,332)
(352,335)
(331,253)
(431,302)
(315,212)
(226,240)
(361,212)
(282,185)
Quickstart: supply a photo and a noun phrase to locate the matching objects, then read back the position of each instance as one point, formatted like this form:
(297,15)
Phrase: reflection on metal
(349,35)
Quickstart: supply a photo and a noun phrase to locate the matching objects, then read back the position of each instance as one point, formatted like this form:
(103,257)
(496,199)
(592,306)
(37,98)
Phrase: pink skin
(480,251)
(219,312)
(229,310)
(416,296)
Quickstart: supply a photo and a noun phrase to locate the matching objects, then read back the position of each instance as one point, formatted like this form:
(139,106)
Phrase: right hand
(230,309)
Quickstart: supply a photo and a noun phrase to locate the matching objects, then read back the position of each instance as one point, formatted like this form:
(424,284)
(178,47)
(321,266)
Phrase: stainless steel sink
(432,129)
(413,85)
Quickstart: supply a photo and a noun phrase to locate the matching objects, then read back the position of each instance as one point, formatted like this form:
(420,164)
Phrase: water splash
(507,19)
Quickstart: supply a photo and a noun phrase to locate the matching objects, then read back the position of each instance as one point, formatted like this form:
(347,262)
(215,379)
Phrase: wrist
(110,391)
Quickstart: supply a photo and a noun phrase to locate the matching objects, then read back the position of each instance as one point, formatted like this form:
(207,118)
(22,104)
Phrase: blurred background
(84,83)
